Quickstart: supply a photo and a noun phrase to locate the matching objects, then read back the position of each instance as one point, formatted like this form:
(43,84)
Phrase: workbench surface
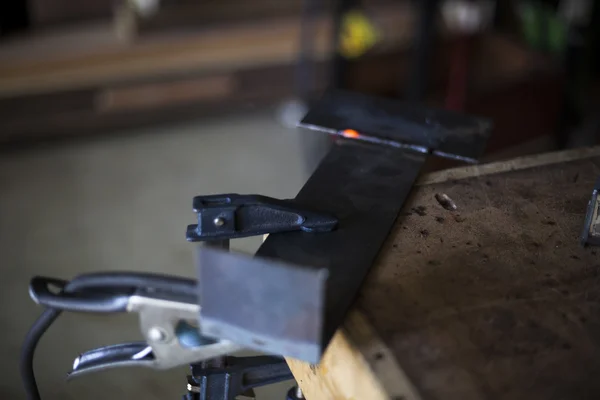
(496,300)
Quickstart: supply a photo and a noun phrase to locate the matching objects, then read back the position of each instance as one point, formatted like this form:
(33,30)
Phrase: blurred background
(115,113)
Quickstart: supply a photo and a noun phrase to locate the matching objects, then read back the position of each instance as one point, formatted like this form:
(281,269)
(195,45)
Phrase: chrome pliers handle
(168,316)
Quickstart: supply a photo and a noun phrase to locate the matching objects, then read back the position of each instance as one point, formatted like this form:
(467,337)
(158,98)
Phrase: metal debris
(591,226)
(445,201)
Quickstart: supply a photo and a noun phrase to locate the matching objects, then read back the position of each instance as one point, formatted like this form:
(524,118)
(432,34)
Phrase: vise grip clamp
(230,216)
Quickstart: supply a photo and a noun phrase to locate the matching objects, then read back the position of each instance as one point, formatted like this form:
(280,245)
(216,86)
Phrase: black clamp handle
(93,301)
(229,216)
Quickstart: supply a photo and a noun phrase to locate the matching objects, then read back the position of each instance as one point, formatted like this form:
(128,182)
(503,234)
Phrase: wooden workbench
(496,300)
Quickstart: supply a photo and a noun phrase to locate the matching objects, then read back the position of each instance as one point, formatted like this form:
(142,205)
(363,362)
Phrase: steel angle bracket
(296,309)
(262,304)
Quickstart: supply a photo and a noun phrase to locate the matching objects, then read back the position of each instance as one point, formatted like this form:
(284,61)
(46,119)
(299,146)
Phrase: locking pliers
(168,313)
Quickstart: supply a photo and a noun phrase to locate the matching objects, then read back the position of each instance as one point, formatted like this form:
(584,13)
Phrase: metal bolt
(193,388)
(219,221)
(192,385)
(156,334)
(445,201)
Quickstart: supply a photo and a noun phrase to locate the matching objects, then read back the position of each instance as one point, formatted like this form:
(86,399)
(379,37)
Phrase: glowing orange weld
(350,133)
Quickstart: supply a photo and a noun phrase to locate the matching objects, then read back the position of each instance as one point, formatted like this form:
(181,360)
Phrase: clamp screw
(219,221)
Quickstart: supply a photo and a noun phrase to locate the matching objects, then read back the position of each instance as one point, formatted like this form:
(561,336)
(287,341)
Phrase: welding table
(496,300)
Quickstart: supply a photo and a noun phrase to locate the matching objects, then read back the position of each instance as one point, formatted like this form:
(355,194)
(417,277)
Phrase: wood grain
(356,365)
(520,163)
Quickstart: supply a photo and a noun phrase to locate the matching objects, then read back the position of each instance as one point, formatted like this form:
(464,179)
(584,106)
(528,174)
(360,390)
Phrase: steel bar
(365,187)
(442,132)
(281,310)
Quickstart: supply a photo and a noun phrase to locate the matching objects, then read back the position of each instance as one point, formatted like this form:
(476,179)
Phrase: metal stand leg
(295,393)
(339,75)
(235,376)
(417,86)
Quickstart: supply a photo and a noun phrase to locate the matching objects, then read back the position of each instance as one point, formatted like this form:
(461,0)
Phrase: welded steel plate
(292,310)
(363,182)
(444,133)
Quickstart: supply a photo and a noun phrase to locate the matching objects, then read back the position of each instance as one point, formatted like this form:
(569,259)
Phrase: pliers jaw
(141,354)
(134,354)
(171,329)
